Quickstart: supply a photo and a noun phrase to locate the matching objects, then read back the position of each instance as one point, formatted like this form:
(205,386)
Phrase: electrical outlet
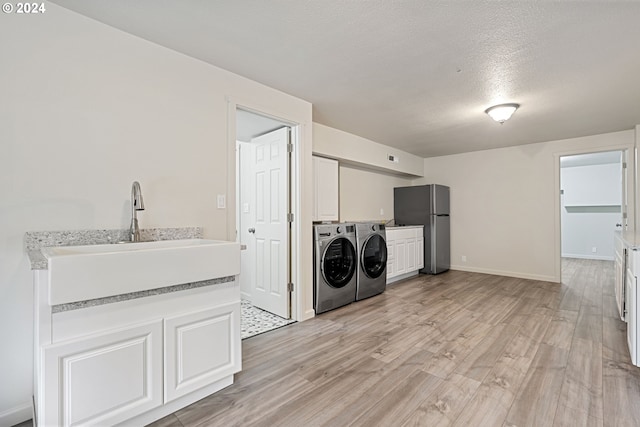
(381,211)
(464,258)
(594,249)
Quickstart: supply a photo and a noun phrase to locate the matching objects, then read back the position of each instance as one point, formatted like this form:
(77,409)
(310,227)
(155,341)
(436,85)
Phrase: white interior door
(271,183)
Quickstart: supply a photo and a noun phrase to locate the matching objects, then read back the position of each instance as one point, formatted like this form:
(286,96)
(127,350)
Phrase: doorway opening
(263,217)
(593,204)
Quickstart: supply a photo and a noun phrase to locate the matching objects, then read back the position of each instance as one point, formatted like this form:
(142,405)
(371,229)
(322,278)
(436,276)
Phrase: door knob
(252,230)
(618,225)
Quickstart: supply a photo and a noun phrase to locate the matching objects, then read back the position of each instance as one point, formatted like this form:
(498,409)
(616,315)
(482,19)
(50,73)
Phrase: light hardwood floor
(461,349)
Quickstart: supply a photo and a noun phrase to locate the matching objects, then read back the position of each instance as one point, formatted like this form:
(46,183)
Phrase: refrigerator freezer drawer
(440,237)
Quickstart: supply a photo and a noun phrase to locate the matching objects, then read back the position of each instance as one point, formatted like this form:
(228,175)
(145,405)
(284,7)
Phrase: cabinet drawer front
(103,379)
(201,348)
(404,233)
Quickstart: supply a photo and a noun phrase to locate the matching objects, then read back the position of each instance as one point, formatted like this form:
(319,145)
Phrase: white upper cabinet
(326,189)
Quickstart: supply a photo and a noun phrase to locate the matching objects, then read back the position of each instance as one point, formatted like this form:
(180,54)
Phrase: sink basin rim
(86,272)
(106,248)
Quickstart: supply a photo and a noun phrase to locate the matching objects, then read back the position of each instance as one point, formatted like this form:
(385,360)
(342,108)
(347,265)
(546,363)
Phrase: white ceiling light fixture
(501,113)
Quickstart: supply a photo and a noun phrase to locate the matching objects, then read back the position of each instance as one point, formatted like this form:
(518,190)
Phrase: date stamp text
(23,8)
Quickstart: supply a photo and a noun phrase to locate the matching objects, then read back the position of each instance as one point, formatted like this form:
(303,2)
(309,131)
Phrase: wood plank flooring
(456,349)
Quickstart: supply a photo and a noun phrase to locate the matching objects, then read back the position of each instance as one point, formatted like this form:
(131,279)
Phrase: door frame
(302,296)
(629,155)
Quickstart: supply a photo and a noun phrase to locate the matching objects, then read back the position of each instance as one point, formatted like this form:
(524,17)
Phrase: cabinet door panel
(632,316)
(103,379)
(420,252)
(326,186)
(201,348)
(391,258)
(401,256)
(411,254)
(619,284)
(391,269)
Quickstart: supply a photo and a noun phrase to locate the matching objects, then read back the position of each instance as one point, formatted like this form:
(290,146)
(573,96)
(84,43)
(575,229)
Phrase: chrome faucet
(137,204)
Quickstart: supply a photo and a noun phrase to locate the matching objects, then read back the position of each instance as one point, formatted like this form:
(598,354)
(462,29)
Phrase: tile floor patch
(255,321)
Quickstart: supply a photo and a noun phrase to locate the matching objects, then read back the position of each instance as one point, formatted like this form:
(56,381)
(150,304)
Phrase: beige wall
(504,204)
(87,109)
(363,193)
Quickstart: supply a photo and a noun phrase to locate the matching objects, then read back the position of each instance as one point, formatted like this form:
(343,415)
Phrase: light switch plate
(222,202)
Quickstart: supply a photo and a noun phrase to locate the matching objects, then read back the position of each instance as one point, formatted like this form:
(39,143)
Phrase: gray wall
(590,210)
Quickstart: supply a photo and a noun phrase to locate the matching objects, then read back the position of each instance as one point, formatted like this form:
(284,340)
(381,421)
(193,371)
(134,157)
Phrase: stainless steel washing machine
(335,265)
(372,260)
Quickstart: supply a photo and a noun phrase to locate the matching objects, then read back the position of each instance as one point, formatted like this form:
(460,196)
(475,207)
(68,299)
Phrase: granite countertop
(37,260)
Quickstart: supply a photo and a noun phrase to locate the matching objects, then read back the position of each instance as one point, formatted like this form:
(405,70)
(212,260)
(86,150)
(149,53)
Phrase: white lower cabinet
(103,379)
(200,349)
(136,361)
(405,252)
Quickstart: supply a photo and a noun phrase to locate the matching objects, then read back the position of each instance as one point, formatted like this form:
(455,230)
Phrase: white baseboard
(402,277)
(16,415)
(582,256)
(519,275)
(308,314)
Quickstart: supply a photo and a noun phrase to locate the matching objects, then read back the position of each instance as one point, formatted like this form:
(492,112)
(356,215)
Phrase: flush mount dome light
(501,113)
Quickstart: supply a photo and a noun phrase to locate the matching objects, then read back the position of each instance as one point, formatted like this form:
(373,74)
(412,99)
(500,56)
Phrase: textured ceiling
(417,74)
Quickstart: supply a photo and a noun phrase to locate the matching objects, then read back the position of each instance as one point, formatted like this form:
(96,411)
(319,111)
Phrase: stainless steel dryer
(372,260)
(335,265)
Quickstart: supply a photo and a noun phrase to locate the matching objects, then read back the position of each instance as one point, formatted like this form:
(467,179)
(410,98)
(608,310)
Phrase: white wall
(364,193)
(87,109)
(590,210)
(505,213)
(350,148)
(367,177)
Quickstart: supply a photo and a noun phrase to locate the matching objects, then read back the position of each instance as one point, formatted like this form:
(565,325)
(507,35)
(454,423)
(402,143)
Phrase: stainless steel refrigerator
(427,205)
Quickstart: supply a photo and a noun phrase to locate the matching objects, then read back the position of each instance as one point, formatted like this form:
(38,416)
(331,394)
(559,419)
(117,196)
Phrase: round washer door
(339,262)
(374,256)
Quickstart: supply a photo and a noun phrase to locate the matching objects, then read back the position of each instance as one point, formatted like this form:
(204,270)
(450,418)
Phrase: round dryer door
(339,262)
(374,256)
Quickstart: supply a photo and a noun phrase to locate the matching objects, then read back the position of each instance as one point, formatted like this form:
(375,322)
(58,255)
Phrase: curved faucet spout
(137,204)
